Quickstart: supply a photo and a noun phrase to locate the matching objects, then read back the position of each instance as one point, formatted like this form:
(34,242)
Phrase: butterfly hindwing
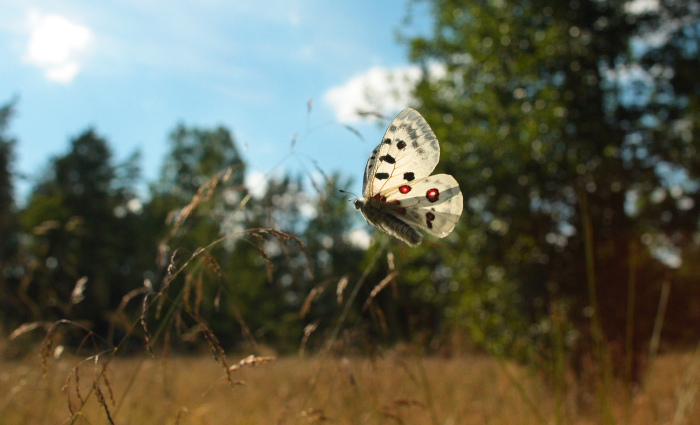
(409,151)
(434,203)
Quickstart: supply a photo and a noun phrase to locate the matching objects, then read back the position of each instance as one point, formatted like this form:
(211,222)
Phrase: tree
(262,273)
(8,219)
(6,184)
(334,256)
(195,156)
(565,124)
(84,221)
(195,205)
(195,162)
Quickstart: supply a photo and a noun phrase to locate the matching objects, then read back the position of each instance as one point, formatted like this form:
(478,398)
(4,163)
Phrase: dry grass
(391,390)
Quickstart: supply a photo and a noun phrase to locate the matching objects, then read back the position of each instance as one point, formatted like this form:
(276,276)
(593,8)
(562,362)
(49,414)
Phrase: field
(393,389)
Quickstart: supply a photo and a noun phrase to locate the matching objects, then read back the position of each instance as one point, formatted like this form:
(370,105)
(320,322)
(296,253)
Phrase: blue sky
(134,68)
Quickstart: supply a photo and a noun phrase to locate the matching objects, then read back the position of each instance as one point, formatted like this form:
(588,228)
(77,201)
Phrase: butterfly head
(358,202)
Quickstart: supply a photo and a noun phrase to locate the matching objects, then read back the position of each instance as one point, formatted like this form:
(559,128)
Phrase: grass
(394,389)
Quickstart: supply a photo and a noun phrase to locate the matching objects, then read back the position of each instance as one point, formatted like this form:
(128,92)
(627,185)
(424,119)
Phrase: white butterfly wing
(400,195)
(434,204)
(408,152)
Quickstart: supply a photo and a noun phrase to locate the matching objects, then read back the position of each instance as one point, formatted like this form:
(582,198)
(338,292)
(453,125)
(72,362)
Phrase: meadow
(395,388)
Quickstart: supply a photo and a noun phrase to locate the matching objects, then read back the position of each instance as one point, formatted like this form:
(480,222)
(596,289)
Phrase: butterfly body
(386,218)
(400,196)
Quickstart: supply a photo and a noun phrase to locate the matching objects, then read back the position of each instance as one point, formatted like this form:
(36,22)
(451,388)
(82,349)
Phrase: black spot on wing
(381,176)
(388,159)
(409,176)
(387,141)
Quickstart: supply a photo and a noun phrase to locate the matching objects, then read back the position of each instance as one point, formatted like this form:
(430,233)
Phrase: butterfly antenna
(349,193)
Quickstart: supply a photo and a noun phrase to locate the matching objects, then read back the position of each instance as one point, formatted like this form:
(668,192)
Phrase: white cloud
(378,89)
(63,73)
(55,45)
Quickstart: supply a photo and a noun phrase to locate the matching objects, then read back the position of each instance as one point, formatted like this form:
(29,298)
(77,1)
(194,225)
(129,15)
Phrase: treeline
(87,247)
(573,129)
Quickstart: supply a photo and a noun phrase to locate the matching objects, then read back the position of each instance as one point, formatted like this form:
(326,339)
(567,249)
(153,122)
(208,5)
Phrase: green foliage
(541,104)
(262,273)
(83,225)
(334,256)
(189,210)
(6,184)
(8,219)
(195,156)
(203,255)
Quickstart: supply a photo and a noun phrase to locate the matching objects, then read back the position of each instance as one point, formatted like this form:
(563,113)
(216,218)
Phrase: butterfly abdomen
(391,224)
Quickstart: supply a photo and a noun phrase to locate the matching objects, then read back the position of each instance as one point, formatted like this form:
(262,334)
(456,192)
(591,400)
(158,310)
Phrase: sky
(133,69)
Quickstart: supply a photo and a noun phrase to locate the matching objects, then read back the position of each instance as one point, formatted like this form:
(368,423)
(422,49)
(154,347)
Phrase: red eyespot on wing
(379,197)
(405,189)
(433,195)
(401,144)
(429,217)
(396,206)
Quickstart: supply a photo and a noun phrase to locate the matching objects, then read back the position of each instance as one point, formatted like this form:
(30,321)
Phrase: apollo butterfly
(400,195)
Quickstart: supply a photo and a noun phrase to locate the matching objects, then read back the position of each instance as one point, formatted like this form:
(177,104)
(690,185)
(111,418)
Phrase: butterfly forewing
(409,151)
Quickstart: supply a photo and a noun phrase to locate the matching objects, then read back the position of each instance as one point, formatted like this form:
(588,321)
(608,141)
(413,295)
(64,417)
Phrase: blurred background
(161,157)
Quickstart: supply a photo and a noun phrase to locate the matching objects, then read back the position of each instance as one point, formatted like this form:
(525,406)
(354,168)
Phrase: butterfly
(400,196)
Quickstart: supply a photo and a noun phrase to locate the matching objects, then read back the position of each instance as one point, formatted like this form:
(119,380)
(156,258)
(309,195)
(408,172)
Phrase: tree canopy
(571,128)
